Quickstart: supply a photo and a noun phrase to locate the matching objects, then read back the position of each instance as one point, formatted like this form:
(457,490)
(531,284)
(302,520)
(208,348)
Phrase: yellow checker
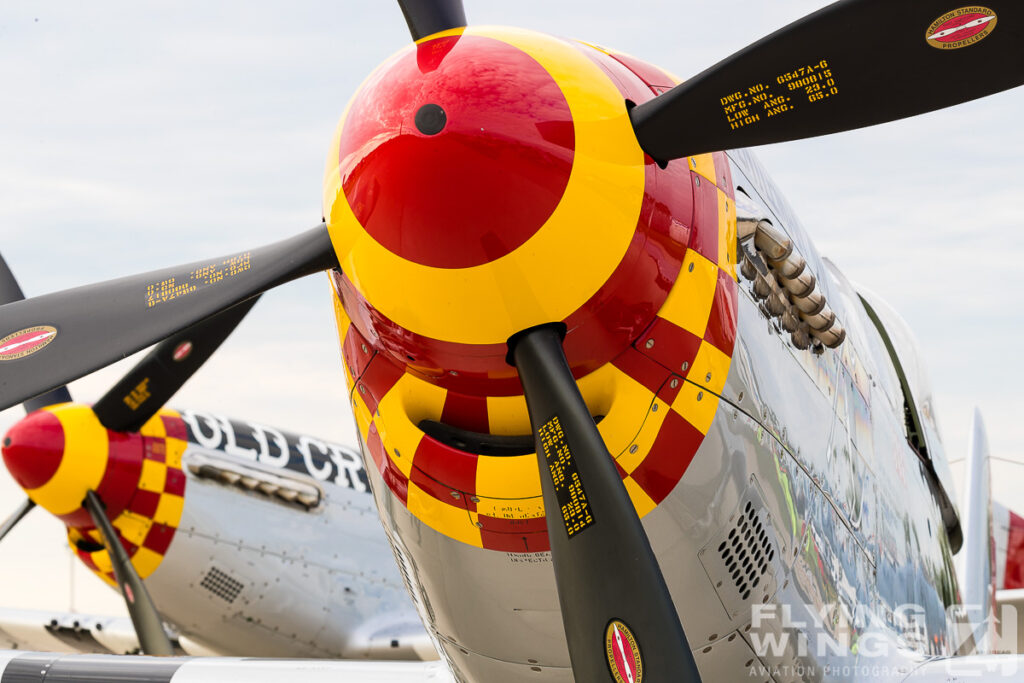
(133,527)
(629,459)
(103,564)
(504,508)
(507,477)
(507,415)
(689,303)
(446,519)
(710,368)
(726,234)
(697,406)
(82,464)
(587,235)
(362,414)
(146,561)
(704,164)
(624,418)
(154,476)
(641,501)
(401,409)
(154,427)
(169,509)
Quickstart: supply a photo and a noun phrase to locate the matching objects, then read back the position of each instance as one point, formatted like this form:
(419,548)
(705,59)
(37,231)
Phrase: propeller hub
(59,453)
(485,181)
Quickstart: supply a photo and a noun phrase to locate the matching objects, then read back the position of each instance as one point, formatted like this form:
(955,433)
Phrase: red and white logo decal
(961,27)
(26,342)
(182,351)
(623,653)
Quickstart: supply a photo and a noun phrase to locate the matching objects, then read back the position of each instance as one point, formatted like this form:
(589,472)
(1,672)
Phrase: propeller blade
(156,378)
(10,292)
(148,624)
(50,340)
(16,517)
(9,288)
(427,17)
(609,581)
(852,64)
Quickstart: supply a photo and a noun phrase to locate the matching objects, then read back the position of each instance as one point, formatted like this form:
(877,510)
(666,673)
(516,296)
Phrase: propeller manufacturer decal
(26,342)
(624,659)
(961,28)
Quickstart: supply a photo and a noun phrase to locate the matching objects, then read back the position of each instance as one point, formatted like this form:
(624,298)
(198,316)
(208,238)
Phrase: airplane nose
(59,453)
(33,449)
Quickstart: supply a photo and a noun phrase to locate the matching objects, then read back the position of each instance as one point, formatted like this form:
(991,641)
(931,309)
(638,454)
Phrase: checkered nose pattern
(58,454)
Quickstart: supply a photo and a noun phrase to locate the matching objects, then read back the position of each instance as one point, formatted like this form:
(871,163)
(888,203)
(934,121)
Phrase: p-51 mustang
(554,293)
(249,539)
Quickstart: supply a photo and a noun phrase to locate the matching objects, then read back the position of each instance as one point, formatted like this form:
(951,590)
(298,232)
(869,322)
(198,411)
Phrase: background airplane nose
(33,449)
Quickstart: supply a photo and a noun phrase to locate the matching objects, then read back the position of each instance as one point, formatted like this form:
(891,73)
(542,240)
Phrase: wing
(28,667)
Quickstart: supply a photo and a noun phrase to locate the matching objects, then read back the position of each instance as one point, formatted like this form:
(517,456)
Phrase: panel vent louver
(220,584)
(747,552)
(744,560)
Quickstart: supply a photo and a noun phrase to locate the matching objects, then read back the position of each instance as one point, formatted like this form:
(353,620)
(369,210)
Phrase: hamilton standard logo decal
(26,342)
(623,653)
(961,27)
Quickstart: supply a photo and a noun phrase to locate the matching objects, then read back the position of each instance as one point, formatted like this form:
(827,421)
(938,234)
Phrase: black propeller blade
(10,292)
(427,17)
(148,624)
(852,64)
(607,574)
(150,384)
(74,332)
(16,517)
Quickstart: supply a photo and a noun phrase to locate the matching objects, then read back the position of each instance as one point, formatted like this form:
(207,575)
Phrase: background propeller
(127,406)
(852,64)
(605,569)
(98,324)
(145,618)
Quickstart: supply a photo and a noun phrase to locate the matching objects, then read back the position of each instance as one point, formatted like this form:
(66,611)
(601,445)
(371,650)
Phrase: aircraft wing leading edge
(28,667)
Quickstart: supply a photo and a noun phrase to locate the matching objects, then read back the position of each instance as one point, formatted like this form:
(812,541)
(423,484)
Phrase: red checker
(159,538)
(33,449)
(673,346)
(175,482)
(376,447)
(396,481)
(437,490)
(671,454)
(440,196)
(454,468)
(175,427)
(704,236)
(154,448)
(517,527)
(721,331)
(380,376)
(466,412)
(144,503)
(668,393)
(1014,576)
(86,559)
(124,467)
(724,172)
(641,368)
(356,351)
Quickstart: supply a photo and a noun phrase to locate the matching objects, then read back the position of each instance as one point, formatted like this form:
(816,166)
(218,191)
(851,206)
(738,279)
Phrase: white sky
(139,135)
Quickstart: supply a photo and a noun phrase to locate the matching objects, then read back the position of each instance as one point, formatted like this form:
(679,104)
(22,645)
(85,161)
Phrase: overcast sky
(139,135)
